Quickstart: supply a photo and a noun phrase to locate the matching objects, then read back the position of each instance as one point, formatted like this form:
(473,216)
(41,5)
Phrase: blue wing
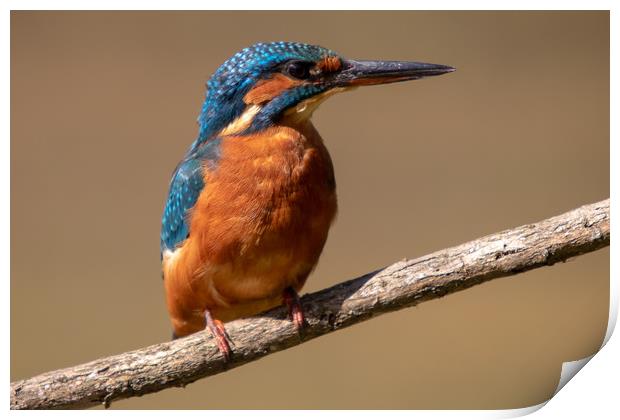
(185,186)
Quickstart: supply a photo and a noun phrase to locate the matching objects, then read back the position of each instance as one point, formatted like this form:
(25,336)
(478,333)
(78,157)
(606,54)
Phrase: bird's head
(264,83)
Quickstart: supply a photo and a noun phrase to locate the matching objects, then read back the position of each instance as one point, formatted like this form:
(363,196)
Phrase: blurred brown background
(103,105)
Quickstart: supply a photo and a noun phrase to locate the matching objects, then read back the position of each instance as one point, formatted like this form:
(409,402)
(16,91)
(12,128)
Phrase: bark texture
(403,284)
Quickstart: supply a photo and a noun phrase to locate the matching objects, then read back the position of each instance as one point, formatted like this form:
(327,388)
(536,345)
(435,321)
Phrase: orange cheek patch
(267,89)
(329,64)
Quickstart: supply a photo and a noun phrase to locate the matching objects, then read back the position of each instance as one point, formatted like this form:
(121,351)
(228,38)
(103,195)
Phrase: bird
(251,202)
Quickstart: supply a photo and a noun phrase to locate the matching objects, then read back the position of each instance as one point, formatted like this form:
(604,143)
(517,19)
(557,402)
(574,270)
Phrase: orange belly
(258,227)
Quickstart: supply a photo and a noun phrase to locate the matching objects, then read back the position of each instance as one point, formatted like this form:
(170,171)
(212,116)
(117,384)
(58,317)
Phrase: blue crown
(233,79)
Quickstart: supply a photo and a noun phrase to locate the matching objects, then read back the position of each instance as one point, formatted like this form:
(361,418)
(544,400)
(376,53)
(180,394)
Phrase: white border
(314,5)
(593,394)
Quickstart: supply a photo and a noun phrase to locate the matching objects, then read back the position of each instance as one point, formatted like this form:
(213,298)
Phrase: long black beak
(358,73)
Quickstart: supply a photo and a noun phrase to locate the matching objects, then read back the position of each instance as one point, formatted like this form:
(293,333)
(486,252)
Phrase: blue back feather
(185,186)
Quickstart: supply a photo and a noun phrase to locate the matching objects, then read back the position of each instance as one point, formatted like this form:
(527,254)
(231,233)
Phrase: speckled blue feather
(223,104)
(233,79)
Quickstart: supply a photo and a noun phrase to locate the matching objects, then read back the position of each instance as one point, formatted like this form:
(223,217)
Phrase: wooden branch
(398,286)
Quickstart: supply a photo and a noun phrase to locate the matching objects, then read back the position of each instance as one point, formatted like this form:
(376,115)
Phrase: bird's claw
(295,310)
(216,327)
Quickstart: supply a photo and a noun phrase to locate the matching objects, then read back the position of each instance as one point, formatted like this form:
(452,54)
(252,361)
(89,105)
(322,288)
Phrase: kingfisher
(250,204)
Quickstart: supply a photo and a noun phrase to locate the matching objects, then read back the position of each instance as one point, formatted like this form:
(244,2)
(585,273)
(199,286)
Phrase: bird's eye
(299,69)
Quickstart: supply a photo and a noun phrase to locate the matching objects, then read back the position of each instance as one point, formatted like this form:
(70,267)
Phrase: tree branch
(398,286)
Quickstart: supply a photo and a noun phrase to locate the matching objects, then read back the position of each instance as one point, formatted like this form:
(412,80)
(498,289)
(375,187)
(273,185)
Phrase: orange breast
(258,226)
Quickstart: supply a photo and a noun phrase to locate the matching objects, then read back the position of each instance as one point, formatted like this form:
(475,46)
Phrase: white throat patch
(242,122)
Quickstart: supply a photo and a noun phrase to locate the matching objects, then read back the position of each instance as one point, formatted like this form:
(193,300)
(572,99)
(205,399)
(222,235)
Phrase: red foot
(219,332)
(295,310)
